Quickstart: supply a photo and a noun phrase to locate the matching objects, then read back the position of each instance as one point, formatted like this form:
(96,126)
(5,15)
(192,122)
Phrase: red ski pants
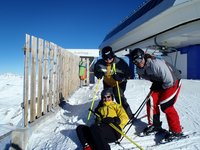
(166,99)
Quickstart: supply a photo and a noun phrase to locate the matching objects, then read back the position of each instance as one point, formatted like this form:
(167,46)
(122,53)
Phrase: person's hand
(99,75)
(114,120)
(116,77)
(108,120)
(156,86)
(117,121)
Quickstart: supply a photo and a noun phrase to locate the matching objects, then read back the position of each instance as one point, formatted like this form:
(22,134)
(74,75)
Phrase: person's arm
(122,115)
(99,69)
(122,71)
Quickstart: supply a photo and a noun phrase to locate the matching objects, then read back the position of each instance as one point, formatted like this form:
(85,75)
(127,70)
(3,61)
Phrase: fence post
(26,79)
(33,78)
(39,100)
(45,76)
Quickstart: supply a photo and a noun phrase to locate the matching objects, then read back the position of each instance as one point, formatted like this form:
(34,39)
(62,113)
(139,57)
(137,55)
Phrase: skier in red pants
(166,84)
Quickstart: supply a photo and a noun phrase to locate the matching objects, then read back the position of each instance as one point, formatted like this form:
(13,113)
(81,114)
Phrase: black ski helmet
(107,52)
(137,54)
(107,91)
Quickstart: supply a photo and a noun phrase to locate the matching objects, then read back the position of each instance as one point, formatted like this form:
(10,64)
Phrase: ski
(160,137)
(161,132)
(163,142)
(131,148)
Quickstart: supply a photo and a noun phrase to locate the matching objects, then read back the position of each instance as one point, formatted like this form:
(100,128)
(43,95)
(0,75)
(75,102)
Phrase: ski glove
(156,86)
(100,75)
(114,120)
(116,77)
(117,120)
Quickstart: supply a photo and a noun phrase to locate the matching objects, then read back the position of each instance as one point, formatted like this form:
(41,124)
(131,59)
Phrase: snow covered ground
(58,132)
(11,97)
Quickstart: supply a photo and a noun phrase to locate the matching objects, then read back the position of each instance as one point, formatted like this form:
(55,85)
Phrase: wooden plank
(54,76)
(33,79)
(67,74)
(26,79)
(61,90)
(56,70)
(39,103)
(58,74)
(51,53)
(64,75)
(64,83)
(45,76)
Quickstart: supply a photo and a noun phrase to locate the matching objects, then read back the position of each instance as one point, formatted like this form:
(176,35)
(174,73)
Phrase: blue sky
(68,23)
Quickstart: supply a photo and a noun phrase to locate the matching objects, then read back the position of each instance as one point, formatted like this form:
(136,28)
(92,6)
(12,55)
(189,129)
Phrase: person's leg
(127,108)
(84,135)
(168,98)
(153,112)
(122,87)
(103,134)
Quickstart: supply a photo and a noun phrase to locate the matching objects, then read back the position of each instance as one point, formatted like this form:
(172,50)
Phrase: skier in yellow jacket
(99,134)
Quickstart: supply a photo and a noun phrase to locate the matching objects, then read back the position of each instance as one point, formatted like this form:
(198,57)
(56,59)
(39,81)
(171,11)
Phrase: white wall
(85,52)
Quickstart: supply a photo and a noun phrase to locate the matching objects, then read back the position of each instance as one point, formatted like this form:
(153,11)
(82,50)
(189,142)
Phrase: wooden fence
(50,74)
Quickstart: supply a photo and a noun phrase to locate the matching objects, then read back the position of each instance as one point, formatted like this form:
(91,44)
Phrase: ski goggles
(107,97)
(137,61)
(109,57)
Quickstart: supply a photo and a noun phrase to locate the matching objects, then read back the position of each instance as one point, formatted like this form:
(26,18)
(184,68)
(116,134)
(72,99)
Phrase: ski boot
(170,136)
(152,129)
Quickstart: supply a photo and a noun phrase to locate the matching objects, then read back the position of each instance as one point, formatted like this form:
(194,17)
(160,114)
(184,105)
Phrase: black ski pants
(97,135)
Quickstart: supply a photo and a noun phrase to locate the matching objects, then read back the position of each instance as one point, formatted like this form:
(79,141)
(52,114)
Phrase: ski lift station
(168,28)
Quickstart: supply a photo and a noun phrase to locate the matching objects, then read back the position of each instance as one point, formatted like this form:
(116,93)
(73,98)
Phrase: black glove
(114,120)
(156,86)
(99,75)
(108,120)
(117,121)
(117,77)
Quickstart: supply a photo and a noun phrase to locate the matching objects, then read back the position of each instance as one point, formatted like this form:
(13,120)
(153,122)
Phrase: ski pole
(119,131)
(119,94)
(124,135)
(120,100)
(136,114)
(91,107)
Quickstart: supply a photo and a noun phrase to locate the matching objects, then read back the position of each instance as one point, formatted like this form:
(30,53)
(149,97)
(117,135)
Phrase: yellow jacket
(113,109)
